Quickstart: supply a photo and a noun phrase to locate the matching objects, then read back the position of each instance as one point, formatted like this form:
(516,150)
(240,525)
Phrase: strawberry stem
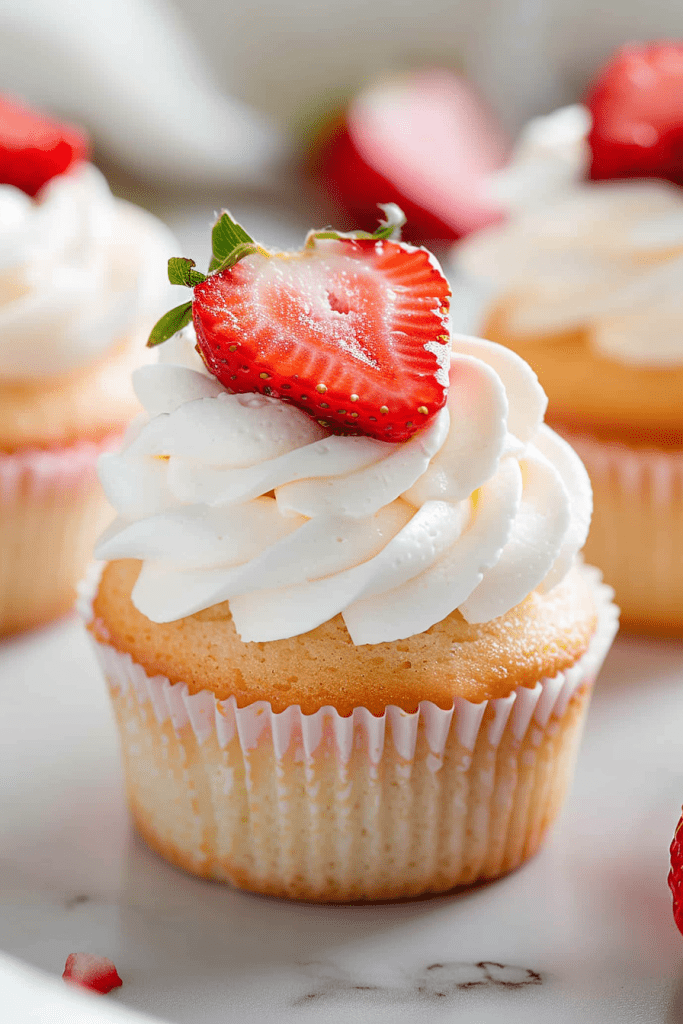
(237,254)
(388,228)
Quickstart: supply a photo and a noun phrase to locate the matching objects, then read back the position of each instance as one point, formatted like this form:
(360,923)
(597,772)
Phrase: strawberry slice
(637,108)
(427,142)
(94,972)
(33,148)
(353,329)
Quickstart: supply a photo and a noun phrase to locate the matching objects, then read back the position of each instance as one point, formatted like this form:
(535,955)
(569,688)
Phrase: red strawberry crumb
(34,148)
(676,875)
(96,973)
(637,108)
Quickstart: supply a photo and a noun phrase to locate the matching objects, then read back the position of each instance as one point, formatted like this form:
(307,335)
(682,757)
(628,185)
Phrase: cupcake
(584,281)
(80,286)
(348,641)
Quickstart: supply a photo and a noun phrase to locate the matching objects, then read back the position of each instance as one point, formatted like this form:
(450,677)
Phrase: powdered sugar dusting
(442,352)
(335,298)
(355,349)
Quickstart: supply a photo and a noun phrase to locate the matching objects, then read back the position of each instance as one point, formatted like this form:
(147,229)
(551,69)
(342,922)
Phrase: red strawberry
(93,972)
(351,330)
(33,148)
(427,142)
(637,108)
(676,874)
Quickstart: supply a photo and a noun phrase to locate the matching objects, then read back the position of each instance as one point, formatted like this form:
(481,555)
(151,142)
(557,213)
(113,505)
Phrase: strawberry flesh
(637,109)
(94,972)
(34,148)
(353,331)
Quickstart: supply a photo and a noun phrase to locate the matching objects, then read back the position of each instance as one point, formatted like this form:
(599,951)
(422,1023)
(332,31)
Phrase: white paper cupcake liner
(636,535)
(36,472)
(51,511)
(635,470)
(328,807)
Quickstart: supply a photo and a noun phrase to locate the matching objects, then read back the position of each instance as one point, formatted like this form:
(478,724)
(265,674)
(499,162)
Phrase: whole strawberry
(353,329)
(676,874)
(637,108)
(34,148)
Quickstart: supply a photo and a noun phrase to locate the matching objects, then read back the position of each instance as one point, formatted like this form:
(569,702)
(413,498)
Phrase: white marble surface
(582,934)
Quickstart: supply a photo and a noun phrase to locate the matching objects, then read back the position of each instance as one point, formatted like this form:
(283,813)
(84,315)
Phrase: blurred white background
(211,91)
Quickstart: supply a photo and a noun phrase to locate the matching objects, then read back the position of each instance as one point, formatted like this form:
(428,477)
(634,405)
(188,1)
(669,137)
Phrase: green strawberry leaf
(226,236)
(231,243)
(237,254)
(170,324)
(180,272)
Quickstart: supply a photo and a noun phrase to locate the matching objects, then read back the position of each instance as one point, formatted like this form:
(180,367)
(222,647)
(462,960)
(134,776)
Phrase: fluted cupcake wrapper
(51,511)
(326,807)
(636,535)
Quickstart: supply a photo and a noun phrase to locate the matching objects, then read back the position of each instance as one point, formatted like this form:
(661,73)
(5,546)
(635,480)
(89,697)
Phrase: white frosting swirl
(606,256)
(245,498)
(79,270)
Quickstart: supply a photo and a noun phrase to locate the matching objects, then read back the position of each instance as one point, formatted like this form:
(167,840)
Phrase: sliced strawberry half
(637,108)
(34,148)
(94,972)
(352,330)
(425,141)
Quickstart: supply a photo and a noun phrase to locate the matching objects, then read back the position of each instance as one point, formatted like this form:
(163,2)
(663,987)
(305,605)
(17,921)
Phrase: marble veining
(434,982)
(76,900)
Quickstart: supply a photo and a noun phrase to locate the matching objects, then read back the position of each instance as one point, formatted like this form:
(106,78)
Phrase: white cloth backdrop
(195,88)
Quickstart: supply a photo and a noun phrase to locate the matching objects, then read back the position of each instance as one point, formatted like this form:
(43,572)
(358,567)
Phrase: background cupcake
(584,280)
(344,667)
(81,280)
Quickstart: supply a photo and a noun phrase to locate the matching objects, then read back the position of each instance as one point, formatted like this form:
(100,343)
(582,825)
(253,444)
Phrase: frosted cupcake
(349,644)
(584,281)
(80,285)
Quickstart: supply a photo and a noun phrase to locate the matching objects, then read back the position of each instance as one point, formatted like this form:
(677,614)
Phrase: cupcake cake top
(79,269)
(295,513)
(601,255)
